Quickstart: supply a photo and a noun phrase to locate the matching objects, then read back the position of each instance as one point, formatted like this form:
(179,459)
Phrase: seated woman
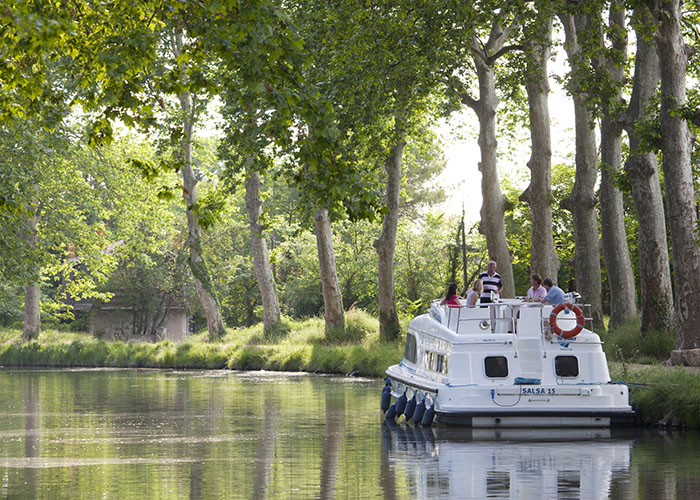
(451,298)
(536,292)
(475,292)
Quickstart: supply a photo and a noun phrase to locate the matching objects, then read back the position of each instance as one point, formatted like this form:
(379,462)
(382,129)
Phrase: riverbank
(292,346)
(668,396)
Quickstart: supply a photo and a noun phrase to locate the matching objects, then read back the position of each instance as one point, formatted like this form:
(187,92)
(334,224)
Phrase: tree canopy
(330,107)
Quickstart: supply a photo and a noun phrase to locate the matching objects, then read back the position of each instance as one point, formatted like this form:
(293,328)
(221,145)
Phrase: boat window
(435,362)
(566,366)
(496,366)
(410,351)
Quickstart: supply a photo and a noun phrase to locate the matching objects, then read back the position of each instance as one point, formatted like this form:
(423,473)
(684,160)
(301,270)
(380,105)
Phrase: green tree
(582,201)
(80,208)
(494,28)
(676,147)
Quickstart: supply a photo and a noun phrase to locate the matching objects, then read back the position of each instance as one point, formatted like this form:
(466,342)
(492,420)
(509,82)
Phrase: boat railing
(499,317)
(483,318)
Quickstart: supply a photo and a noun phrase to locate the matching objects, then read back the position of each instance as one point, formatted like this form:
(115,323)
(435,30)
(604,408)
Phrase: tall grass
(666,396)
(290,345)
(627,342)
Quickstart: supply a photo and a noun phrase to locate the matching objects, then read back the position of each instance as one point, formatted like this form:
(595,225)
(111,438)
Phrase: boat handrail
(498,317)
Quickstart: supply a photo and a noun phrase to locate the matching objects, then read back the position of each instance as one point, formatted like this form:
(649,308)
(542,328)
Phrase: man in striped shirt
(492,282)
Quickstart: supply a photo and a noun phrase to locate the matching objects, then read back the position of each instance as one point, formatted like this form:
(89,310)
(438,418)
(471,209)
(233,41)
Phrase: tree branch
(478,48)
(468,100)
(504,50)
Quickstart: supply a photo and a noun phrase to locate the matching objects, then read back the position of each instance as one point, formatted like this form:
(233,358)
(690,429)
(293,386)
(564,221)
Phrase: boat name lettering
(538,390)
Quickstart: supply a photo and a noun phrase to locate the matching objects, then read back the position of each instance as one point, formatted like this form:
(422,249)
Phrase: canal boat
(505,364)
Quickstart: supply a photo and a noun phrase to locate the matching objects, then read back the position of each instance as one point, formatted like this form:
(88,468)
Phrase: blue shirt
(555,295)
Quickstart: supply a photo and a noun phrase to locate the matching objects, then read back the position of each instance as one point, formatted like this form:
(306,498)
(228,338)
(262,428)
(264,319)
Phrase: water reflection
(30,392)
(332,439)
(266,450)
(508,463)
(146,434)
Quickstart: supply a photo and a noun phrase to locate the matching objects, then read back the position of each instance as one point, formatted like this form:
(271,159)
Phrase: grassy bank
(667,396)
(292,346)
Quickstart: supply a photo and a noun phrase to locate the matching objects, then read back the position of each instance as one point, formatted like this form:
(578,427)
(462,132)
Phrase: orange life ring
(567,334)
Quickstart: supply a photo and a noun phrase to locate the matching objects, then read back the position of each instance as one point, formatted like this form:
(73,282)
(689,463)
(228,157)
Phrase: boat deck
(503,317)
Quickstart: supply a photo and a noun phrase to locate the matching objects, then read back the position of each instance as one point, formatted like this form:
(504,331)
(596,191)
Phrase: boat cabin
(502,343)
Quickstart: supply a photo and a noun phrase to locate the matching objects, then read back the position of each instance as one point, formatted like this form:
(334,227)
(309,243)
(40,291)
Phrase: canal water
(146,434)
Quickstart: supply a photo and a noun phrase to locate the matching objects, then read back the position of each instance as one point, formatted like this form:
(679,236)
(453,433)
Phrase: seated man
(555,295)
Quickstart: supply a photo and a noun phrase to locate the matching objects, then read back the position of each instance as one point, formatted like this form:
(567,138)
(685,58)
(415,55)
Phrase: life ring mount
(580,320)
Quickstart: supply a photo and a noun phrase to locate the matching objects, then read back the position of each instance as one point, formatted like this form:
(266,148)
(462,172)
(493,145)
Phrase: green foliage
(668,396)
(562,223)
(91,209)
(10,303)
(519,228)
(422,268)
(649,128)
(290,346)
(627,342)
(519,234)
(423,161)
(376,73)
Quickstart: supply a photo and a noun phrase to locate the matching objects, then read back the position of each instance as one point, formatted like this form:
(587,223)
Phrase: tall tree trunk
(494,203)
(261,258)
(332,298)
(581,203)
(200,272)
(202,280)
(386,244)
(676,143)
(32,291)
(655,292)
(543,256)
(623,305)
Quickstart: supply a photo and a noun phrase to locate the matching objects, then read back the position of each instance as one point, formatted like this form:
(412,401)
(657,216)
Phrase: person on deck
(451,298)
(492,282)
(555,295)
(536,290)
(474,294)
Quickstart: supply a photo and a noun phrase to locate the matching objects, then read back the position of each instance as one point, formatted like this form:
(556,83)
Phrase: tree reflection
(266,448)
(332,438)
(32,432)
(386,471)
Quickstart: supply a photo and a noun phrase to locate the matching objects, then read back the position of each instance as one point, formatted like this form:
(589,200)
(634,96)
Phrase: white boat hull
(514,376)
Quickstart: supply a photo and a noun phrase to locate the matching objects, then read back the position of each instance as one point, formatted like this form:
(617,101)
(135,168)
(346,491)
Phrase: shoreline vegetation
(667,396)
